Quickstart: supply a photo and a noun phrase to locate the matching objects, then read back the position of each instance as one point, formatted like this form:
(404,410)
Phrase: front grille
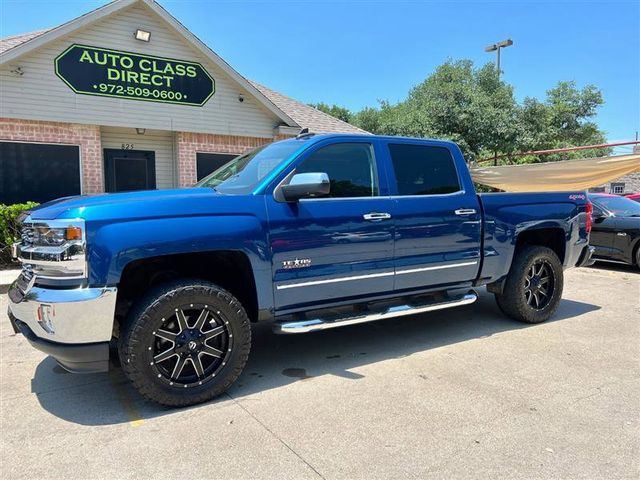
(27,235)
(27,271)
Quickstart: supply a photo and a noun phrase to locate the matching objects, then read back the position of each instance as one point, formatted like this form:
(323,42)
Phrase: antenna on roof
(304,132)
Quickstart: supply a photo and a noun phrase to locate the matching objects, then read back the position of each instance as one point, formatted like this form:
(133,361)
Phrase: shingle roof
(8,43)
(304,115)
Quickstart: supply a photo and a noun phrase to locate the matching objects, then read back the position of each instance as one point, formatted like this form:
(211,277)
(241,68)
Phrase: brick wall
(282,137)
(631,183)
(86,136)
(188,144)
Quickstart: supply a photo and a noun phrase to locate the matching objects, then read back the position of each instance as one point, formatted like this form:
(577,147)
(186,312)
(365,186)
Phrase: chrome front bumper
(65,316)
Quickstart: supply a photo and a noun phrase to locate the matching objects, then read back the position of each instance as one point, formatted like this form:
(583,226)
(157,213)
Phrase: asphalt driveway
(460,393)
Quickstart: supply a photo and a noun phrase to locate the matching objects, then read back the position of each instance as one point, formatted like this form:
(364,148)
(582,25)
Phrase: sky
(356,52)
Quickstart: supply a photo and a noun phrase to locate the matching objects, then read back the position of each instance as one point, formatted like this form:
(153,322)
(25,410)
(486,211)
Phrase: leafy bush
(9,227)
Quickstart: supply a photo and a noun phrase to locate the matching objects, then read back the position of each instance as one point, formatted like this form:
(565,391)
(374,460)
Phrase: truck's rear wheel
(533,288)
(185,343)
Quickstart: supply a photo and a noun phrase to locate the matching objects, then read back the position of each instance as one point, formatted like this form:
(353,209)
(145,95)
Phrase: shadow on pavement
(615,267)
(277,360)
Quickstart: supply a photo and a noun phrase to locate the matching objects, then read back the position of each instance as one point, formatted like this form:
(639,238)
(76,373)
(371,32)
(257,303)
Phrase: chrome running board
(313,325)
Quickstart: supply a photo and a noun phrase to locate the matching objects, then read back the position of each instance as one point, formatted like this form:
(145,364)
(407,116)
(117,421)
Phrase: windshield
(243,174)
(619,206)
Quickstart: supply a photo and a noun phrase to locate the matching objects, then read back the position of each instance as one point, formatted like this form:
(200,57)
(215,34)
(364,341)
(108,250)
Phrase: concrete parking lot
(462,393)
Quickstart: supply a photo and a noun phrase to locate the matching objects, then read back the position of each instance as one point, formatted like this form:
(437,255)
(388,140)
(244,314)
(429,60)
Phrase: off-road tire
(138,333)
(513,301)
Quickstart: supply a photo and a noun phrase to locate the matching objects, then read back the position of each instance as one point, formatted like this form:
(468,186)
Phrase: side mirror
(306,185)
(598,215)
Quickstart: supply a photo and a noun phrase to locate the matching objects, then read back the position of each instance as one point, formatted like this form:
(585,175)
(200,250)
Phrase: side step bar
(313,325)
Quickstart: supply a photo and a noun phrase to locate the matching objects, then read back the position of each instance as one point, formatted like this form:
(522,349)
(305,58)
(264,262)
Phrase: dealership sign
(114,73)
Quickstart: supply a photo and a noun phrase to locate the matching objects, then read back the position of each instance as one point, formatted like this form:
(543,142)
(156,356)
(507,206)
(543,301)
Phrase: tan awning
(578,174)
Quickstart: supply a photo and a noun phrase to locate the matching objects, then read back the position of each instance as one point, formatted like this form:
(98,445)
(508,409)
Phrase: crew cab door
(436,213)
(623,244)
(329,249)
(603,232)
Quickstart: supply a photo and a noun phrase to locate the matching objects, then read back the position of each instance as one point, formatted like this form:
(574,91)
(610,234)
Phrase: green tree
(562,120)
(473,107)
(340,113)
(368,119)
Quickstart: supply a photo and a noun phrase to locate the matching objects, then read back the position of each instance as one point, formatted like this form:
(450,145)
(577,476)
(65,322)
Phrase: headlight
(45,236)
(53,249)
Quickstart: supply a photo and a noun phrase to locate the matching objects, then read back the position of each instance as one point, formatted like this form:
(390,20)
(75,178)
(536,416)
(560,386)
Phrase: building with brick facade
(624,185)
(125,98)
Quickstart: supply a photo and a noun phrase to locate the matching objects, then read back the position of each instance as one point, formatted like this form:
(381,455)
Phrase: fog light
(46,313)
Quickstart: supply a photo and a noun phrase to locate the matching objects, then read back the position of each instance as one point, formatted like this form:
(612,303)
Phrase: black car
(616,229)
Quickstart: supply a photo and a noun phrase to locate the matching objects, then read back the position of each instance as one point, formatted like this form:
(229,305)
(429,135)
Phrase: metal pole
(495,154)
(560,150)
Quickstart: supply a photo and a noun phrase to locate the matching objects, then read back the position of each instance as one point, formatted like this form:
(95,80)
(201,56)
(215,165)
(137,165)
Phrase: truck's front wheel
(185,342)
(534,285)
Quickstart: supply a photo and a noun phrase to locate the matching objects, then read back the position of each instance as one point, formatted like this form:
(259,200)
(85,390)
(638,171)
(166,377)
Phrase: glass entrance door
(129,170)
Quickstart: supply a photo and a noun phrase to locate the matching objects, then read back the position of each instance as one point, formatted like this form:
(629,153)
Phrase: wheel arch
(229,269)
(554,238)
(635,251)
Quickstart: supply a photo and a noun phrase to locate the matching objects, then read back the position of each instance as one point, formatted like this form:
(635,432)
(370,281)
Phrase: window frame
(392,179)
(617,185)
(379,169)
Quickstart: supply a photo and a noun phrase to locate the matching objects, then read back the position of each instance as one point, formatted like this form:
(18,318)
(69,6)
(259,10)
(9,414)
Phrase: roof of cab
(316,137)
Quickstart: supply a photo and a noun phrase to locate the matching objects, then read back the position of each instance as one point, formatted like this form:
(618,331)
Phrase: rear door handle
(373,216)
(465,211)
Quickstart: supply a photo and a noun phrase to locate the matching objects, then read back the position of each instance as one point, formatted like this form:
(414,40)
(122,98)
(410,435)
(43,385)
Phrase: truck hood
(144,204)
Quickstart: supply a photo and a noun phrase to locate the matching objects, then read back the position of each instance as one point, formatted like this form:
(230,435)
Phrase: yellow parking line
(131,411)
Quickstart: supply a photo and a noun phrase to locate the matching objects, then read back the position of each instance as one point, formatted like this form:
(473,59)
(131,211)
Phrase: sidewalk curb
(6,279)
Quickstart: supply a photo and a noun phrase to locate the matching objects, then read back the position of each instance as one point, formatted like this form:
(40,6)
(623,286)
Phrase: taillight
(589,212)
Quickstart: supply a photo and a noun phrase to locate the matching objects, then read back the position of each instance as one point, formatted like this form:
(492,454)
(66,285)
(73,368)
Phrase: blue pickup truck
(308,233)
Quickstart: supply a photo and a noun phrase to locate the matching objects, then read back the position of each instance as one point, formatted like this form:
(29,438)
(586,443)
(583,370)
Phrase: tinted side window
(350,166)
(423,170)
(597,210)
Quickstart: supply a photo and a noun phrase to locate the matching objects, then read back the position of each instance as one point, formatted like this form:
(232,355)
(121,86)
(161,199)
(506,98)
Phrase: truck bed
(561,215)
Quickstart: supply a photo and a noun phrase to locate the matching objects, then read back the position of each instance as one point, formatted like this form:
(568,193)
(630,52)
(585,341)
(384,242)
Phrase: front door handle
(375,216)
(465,211)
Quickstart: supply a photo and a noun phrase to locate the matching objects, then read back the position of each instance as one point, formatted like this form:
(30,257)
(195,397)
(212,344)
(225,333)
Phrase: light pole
(495,47)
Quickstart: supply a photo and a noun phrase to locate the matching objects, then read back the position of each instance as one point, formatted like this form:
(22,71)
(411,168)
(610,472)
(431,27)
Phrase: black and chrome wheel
(185,342)
(191,346)
(533,287)
(539,284)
